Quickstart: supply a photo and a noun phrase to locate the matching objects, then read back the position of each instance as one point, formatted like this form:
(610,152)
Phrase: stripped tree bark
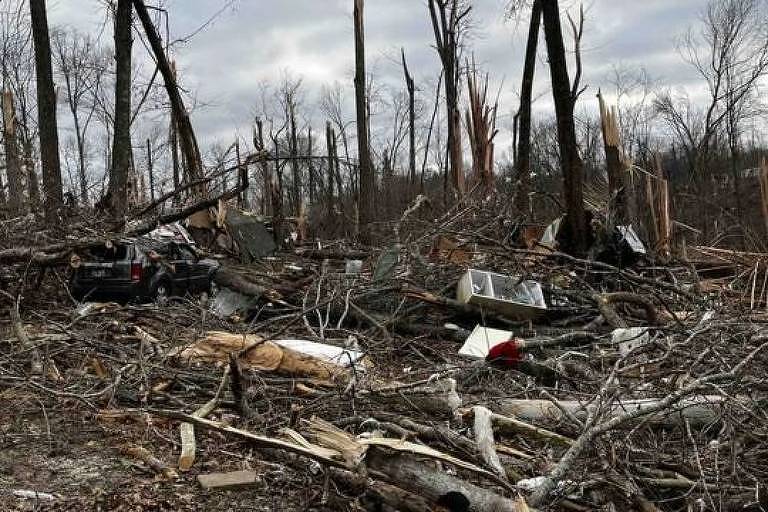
(12,163)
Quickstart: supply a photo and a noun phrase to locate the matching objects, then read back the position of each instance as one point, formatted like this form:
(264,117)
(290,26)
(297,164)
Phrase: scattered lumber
(228,481)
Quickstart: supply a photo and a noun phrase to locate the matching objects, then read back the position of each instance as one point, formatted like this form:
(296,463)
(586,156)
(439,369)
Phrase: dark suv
(141,268)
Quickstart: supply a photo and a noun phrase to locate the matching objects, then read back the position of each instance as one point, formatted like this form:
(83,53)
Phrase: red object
(506,353)
(135,271)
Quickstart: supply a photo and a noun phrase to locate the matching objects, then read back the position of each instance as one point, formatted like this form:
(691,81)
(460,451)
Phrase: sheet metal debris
(508,295)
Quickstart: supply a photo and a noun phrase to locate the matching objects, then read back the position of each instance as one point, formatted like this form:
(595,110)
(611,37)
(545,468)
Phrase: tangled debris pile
(397,382)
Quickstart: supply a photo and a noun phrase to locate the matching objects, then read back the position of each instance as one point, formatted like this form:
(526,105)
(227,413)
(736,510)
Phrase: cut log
(187,430)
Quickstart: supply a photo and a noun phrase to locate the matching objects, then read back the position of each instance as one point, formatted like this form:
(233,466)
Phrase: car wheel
(162,292)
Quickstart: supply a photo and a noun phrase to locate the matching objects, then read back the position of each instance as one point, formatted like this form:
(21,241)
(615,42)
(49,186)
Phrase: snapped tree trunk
(329,148)
(411,124)
(574,230)
(33,187)
(616,166)
(46,112)
(258,143)
(310,167)
(12,163)
(121,147)
(523,161)
(367,179)
(173,140)
(186,135)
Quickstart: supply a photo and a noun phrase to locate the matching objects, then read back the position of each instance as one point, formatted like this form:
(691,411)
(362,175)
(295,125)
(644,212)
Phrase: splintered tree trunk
(367,179)
(446,25)
(618,209)
(258,142)
(186,134)
(121,146)
(523,162)
(46,112)
(12,163)
(174,142)
(411,124)
(574,231)
(310,167)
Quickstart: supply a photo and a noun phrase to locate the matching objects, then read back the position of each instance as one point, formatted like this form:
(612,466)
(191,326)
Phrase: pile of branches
(576,423)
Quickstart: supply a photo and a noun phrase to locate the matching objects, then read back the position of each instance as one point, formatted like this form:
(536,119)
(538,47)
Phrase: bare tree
(288,97)
(332,107)
(187,140)
(410,87)
(523,116)
(81,65)
(46,112)
(450,22)
(730,53)
(121,148)
(565,94)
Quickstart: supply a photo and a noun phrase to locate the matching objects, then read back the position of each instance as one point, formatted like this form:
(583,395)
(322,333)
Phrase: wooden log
(378,494)
(439,397)
(486,445)
(150,460)
(512,426)
(698,411)
(433,483)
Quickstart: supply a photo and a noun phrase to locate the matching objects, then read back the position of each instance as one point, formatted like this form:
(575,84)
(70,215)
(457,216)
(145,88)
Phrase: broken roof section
(171,232)
(252,238)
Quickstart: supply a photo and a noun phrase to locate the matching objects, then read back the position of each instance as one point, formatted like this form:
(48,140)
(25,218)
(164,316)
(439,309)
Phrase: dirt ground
(77,461)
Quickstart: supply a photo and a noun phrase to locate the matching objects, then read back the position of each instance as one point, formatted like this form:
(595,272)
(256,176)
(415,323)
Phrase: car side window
(186,253)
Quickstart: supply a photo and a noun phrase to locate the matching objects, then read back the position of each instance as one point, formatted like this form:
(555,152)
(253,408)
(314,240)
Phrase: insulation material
(331,353)
(482,340)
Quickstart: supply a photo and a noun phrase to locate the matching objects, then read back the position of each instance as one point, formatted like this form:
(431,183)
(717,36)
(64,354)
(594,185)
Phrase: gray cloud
(256,40)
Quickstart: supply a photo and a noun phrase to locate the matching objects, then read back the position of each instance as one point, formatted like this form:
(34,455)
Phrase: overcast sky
(256,40)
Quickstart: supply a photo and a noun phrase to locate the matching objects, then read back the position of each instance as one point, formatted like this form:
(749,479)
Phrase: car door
(180,266)
(198,273)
